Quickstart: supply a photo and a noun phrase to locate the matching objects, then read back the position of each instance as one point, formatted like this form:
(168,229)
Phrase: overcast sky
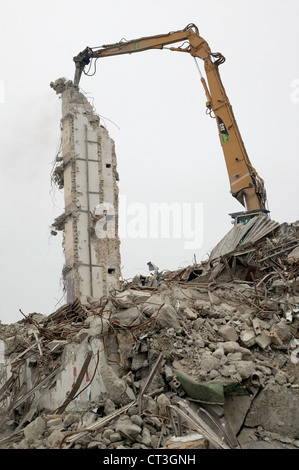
(153,106)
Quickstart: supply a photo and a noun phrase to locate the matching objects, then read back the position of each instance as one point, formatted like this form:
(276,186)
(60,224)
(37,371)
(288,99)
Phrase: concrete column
(87,172)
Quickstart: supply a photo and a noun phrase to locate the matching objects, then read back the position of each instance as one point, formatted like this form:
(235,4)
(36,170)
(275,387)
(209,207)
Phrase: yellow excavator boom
(246,185)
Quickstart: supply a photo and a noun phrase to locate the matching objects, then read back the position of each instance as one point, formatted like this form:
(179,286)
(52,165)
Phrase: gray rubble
(221,353)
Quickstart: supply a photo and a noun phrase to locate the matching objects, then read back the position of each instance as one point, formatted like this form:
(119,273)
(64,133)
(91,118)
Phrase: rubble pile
(206,356)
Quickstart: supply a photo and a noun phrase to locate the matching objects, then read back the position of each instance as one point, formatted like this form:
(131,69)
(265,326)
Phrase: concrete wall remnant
(87,173)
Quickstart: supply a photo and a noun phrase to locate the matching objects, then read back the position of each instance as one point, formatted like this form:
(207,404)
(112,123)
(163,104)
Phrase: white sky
(168,150)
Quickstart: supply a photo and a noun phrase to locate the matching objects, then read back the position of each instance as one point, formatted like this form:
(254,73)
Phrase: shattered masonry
(87,173)
(215,344)
(203,357)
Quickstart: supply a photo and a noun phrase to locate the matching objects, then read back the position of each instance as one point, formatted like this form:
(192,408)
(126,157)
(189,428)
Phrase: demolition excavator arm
(246,185)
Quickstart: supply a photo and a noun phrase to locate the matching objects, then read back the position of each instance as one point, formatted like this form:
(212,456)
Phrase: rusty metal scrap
(280,252)
(148,382)
(36,337)
(76,385)
(188,414)
(72,311)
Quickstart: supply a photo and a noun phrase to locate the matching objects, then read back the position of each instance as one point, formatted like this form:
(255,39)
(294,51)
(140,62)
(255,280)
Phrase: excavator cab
(245,216)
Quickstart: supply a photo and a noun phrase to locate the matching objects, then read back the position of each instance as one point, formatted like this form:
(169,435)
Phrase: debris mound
(204,357)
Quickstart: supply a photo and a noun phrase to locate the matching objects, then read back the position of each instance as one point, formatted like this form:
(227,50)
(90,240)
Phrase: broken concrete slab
(34,429)
(167,317)
(54,439)
(126,298)
(98,326)
(228,333)
(282,330)
(244,368)
(276,409)
(263,340)
(247,337)
(266,445)
(233,347)
(236,409)
(126,317)
(116,388)
(190,314)
(209,362)
(139,361)
(126,428)
(163,402)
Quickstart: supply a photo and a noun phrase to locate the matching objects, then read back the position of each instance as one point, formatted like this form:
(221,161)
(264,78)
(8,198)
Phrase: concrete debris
(206,356)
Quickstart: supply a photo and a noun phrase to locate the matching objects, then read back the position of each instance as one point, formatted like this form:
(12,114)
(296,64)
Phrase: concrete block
(282,330)
(276,409)
(146,437)
(245,368)
(125,427)
(116,389)
(55,422)
(139,361)
(248,338)
(219,353)
(167,317)
(228,370)
(256,326)
(228,333)
(126,316)
(98,326)
(70,419)
(209,362)
(34,430)
(189,314)
(163,402)
(263,340)
(55,439)
(235,409)
(281,378)
(149,404)
(115,437)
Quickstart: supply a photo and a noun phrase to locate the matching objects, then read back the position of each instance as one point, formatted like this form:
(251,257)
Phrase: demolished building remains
(202,357)
(86,170)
